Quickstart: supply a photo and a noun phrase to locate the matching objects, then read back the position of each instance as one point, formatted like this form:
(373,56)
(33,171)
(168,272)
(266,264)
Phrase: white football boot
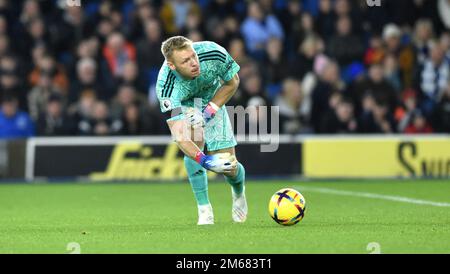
(239,210)
(205,215)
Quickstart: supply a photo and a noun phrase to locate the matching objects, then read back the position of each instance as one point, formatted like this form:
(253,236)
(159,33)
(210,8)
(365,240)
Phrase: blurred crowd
(331,66)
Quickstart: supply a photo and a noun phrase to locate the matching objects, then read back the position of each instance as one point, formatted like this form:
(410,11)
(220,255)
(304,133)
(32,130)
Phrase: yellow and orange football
(287,207)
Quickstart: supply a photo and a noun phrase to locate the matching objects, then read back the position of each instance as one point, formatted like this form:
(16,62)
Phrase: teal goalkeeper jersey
(216,67)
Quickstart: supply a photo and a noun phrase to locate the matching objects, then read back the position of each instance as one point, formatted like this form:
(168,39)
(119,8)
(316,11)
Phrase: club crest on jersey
(166,104)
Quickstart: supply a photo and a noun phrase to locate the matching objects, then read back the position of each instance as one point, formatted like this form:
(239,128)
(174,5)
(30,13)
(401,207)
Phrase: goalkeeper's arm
(226,91)
(184,136)
(222,96)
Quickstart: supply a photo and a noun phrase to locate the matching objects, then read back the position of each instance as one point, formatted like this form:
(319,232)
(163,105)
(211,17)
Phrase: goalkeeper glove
(198,119)
(219,163)
(195,118)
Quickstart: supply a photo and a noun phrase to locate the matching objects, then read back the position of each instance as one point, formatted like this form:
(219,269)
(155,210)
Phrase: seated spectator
(419,124)
(303,61)
(302,27)
(194,21)
(130,77)
(53,121)
(14,123)
(252,86)
(174,13)
(292,120)
(392,37)
(376,117)
(309,84)
(423,35)
(10,80)
(341,120)
(30,10)
(126,95)
(144,11)
(217,31)
(88,48)
(258,28)
(344,46)
(348,8)
(36,33)
(38,96)
(73,27)
(4,45)
(108,53)
(378,86)
(38,52)
(326,19)
(237,51)
(82,108)
(392,72)
(433,77)
(47,65)
(104,28)
(149,47)
(404,112)
(329,82)
(232,28)
(274,63)
(219,8)
(117,52)
(134,122)
(100,122)
(354,74)
(375,52)
(87,78)
(4,27)
(195,36)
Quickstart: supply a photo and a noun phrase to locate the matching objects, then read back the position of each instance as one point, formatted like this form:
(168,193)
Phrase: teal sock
(198,180)
(238,182)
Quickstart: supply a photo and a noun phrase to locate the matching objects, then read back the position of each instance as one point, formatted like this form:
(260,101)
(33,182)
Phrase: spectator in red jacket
(419,124)
(117,52)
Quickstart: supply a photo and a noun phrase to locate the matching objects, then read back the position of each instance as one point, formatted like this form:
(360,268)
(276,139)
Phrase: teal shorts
(218,132)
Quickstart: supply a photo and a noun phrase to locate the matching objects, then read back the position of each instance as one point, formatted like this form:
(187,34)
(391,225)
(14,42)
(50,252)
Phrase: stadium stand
(331,66)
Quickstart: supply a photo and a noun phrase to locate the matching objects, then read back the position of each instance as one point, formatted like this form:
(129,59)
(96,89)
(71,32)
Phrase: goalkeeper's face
(185,62)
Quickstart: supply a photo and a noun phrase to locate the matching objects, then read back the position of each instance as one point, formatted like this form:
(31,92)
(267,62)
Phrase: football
(287,207)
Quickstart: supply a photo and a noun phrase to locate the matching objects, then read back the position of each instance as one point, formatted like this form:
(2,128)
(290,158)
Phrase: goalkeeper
(194,83)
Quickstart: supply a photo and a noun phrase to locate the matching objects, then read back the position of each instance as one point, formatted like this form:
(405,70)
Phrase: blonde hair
(174,43)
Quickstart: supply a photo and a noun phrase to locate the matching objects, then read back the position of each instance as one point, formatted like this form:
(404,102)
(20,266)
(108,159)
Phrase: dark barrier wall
(12,159)
(143,161)
(16,158)
(151,158)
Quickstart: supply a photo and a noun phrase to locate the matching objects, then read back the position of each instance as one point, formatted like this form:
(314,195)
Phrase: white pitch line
(373,196)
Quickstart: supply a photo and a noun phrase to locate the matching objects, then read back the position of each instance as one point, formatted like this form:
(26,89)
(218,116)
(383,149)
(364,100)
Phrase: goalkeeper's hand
(219,163)
(195,118)
(198,119)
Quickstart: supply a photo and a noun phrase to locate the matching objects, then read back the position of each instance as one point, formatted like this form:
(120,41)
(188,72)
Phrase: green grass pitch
(161,218)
